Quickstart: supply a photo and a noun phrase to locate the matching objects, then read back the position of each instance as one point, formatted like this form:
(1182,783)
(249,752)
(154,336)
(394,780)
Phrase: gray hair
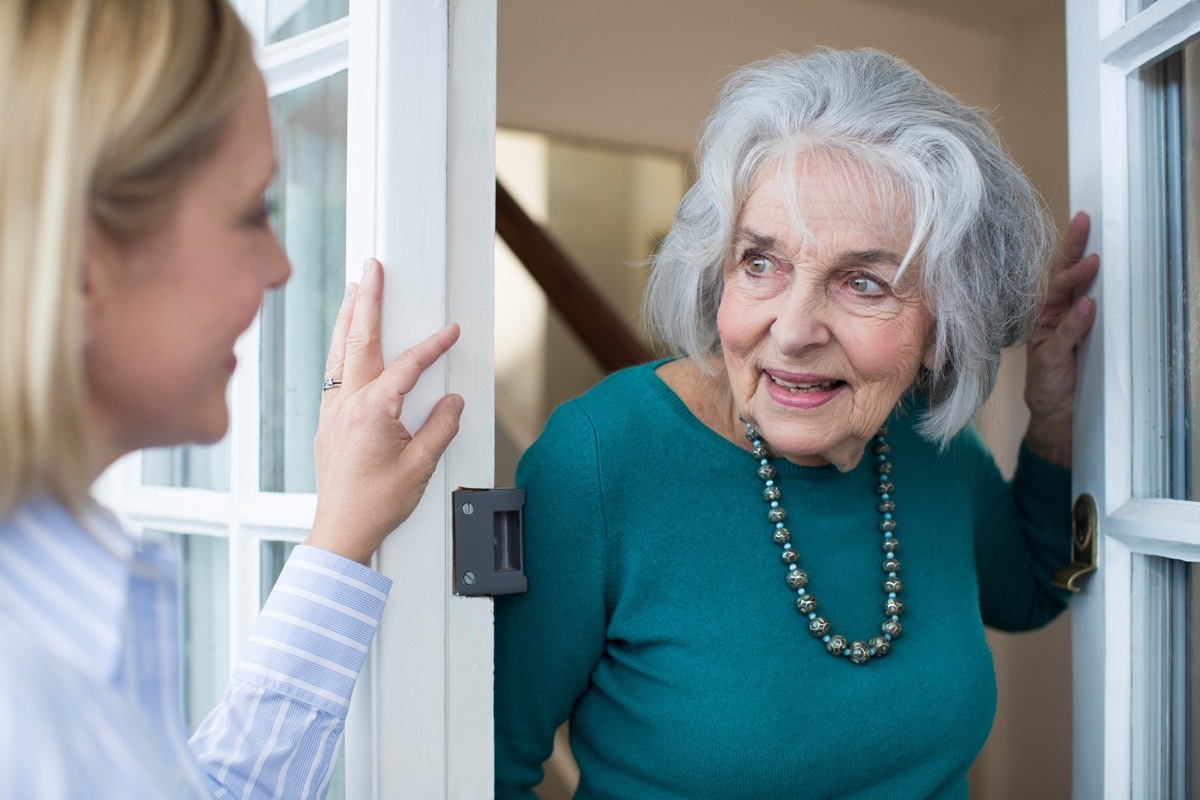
(979,231)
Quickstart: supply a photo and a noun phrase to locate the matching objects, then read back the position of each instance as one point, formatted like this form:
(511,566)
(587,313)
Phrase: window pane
(1166,692)
(1170,398)
(191,467)
(297,321)
(287,18)
(204,617)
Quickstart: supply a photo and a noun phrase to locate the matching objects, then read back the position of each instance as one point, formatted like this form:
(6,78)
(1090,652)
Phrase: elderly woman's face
(819,341)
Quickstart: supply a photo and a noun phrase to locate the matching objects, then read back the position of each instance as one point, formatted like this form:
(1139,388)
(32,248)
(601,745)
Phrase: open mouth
(806,387)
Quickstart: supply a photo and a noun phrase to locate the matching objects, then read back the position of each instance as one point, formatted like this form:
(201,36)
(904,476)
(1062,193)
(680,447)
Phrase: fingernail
(1084,307)
(370,265)
(457,402)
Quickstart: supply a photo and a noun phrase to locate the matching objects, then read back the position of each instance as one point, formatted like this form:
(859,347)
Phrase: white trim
(471,297)
(306,59)
(1152,34)
(431,667)
(1114,453)
(1165,528)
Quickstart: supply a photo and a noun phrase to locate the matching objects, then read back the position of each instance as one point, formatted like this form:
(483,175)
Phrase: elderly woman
(718,598)
(136,249)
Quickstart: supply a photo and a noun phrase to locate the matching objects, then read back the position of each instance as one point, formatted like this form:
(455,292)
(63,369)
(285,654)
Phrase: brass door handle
(1083,545)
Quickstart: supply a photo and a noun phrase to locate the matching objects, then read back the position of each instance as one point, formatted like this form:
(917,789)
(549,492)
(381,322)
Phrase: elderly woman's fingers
(363,359)
(1077,235)
(402,374)
(1059,346)
(1072,271)
(337,342)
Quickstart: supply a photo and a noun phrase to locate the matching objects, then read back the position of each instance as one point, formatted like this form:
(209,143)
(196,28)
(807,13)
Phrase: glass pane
(297,321)
(288,18)
(1170,400)
(204,619)
(191,467)
(1165,679)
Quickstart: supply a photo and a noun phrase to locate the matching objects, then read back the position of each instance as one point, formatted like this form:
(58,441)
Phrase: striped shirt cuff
(313,634)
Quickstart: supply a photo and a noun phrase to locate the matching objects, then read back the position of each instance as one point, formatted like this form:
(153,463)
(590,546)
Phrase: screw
(468,509)
(469,579)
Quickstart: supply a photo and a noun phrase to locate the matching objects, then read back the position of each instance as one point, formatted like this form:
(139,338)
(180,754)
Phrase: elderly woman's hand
(1065,320)
(371,470)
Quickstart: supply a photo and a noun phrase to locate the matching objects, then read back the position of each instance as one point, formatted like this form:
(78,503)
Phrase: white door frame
(1106,50)
(420,168)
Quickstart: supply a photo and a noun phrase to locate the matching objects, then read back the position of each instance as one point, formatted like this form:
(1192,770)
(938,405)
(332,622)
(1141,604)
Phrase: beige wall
(644,73)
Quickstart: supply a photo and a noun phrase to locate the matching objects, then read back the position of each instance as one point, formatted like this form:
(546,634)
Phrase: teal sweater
(658,620)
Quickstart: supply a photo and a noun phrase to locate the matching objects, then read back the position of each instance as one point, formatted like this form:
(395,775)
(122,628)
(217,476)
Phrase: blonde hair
(113,104)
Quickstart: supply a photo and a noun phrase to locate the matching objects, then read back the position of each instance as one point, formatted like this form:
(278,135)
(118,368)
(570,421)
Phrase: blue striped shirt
(90,674)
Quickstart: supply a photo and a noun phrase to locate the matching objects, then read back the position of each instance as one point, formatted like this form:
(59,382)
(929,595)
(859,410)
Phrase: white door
(1134,94)
(384,113)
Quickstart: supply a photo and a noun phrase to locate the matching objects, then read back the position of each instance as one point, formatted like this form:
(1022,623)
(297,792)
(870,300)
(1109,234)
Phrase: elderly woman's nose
(800,326)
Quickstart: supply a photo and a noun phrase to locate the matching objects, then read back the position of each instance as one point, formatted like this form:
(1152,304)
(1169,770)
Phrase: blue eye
(861,284)
(261,214)
(758,265)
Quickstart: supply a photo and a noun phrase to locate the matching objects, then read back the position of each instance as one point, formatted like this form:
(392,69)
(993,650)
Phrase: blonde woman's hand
(371,470)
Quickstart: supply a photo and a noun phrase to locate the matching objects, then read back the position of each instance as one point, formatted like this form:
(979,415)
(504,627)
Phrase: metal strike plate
(489,555)
(1083,545)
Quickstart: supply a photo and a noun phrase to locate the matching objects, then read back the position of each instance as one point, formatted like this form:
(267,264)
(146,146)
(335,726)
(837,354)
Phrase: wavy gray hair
(979,231)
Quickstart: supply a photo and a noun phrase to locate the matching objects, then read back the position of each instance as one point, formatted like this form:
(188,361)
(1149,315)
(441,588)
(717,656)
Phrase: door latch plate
(489,555)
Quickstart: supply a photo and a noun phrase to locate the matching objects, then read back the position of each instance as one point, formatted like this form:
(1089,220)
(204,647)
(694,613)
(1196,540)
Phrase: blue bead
(891,574)
(812,615)
(764,462)
(787,546)
(871,651)
(892,595)
(887,535)
(801,591)
(846,652)
(884,496)
(887,515)
(757,443)
(778,524)
(774,504)
(825,638)
(883,478)
(792,566)
(895,618)
(769,483)
(887,636)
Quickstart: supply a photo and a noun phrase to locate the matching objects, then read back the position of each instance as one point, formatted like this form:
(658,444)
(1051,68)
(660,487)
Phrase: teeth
(804,387)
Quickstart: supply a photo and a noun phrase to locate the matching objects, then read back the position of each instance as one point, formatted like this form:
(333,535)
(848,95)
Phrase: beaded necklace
(858,651)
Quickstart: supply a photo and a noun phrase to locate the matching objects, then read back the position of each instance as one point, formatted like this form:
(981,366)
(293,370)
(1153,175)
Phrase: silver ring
(330,383)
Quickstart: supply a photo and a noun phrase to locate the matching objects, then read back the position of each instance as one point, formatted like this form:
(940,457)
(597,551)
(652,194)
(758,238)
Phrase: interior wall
(645,74)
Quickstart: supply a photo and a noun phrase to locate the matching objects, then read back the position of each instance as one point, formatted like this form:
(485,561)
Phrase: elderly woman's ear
(1065,320)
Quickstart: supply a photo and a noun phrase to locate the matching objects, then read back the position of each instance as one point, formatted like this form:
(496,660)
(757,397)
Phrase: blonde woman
(136,249)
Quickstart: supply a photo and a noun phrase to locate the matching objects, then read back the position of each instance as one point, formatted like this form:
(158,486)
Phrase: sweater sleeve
(549,639)
(1022,536)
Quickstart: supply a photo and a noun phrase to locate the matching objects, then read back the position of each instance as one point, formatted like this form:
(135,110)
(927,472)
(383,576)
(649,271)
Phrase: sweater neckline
(684,414)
